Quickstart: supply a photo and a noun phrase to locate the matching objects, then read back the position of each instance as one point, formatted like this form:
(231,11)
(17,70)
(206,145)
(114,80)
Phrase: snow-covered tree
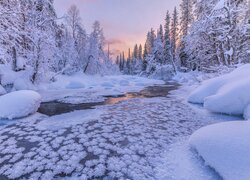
(174,33)
(140,53)
(186,20)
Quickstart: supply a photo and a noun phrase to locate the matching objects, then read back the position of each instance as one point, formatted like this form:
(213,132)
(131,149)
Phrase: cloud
(115,41)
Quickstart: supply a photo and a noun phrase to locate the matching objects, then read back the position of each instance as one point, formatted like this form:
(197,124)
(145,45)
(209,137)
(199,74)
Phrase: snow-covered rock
(2,90)
(232,98)
(247,112)
(19,104)
(226,148)
(226,94)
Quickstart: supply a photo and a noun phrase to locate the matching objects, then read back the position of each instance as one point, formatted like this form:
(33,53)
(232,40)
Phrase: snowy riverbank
(225,146)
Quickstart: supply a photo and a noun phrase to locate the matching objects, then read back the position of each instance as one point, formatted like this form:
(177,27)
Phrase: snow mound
(19,104)
(232,98)
(2,90)
(247,112)
(226,94)
(225,147)
(75,85)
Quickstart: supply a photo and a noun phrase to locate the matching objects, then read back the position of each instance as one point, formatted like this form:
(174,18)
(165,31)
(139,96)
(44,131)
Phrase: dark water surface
(56,108)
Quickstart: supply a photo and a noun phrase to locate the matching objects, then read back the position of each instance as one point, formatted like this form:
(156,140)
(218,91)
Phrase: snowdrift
(225,147)
(19,104)
(226,94)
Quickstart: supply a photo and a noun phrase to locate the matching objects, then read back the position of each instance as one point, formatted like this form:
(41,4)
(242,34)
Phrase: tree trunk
(14,59)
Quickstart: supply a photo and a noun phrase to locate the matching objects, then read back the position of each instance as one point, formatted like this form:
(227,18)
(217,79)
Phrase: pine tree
(136,52)
(186,21)
(186,16)
(174,33)
(140,52)
(167,44)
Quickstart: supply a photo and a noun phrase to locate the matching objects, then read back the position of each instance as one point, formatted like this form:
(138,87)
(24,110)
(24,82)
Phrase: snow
(116,141)
(247,112)
(2,90)
(225,94)
(232,98)
(20,80)
(92,88)
(68,119)
(23,84)
(219,5)
(19,104)
(225,147)
(180,162)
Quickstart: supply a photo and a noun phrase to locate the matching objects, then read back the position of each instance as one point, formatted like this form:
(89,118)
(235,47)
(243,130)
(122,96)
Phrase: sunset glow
(125,22)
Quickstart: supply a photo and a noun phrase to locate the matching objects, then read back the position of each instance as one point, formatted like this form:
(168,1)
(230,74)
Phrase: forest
(174,106)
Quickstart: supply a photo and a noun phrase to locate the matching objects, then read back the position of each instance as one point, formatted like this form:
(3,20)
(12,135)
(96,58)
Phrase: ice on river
(126,140)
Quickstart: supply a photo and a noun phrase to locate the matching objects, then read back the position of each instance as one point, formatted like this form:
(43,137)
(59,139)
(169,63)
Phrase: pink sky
(125,22)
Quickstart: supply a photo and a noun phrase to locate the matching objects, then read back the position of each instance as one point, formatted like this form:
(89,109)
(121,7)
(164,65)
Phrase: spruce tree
(167,44)
(174,33)
(140,52)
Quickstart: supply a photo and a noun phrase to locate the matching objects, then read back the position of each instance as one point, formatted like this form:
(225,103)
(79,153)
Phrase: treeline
(205,34)
(34,39)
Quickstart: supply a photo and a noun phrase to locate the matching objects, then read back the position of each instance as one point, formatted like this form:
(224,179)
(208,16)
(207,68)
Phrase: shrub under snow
(225,147)
(19,104)
(226,94)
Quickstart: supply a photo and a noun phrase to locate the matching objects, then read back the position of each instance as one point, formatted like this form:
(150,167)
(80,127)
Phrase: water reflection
(56,108)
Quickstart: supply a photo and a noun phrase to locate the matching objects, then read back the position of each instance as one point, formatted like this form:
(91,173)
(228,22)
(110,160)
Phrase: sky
(125,22)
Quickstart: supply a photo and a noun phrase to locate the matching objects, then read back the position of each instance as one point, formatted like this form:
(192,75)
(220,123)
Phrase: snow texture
(225,147)
(225,94)
(19,104)
(125,140)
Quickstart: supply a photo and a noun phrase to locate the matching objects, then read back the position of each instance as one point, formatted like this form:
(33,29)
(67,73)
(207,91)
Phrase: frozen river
(134,136)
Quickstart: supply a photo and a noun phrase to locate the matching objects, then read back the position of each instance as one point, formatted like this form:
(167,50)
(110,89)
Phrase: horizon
(120,20)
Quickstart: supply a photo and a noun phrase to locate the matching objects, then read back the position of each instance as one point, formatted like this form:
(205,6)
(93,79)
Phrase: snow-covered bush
(226,94)
(163,72)
(225,147)
(19,104)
